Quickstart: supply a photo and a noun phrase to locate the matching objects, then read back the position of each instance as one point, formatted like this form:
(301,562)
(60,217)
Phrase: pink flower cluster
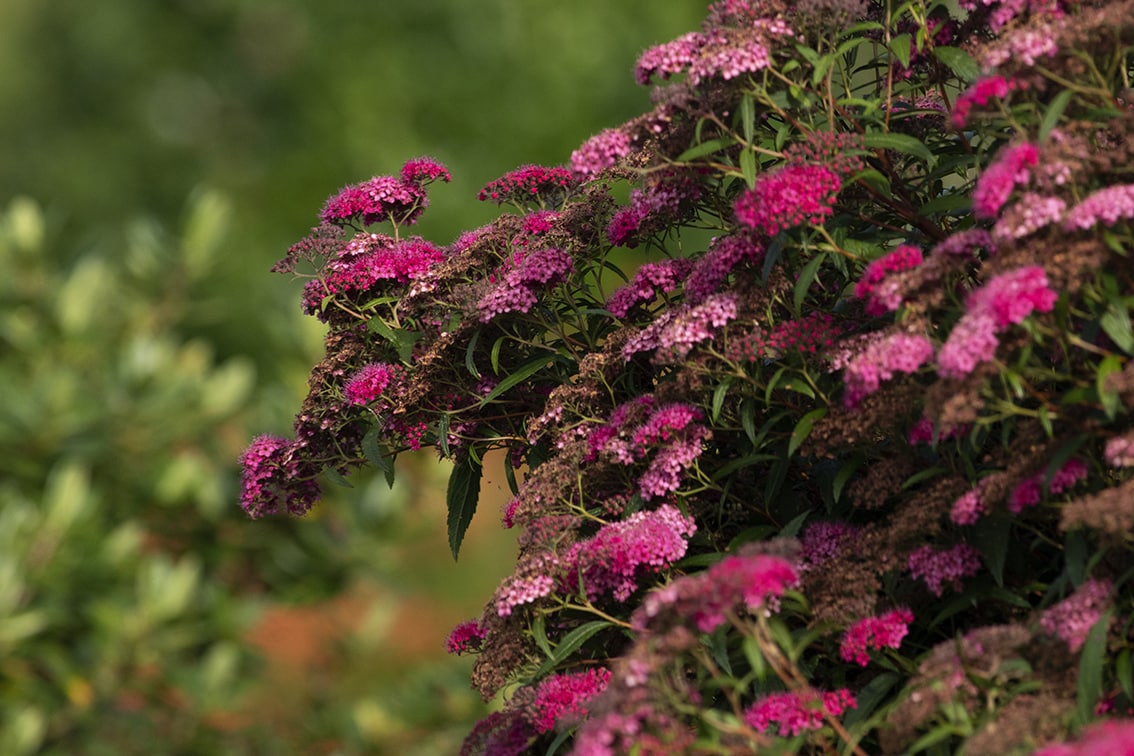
(1110,736)
(896,353)
(878,284)
(529,183)
(368,383)
(1029,492)
(964,243)
(968,508)
(1031,213)
(746,578)
(652,277)
(938,567)
(794,712)
(811,334)
(676,332)
(980,94)
(613,560)
(600,152)
(714,267)
(368,259)
(728,54)
(1106,206)
(650,209)
(1073,617)
(671,461)
(788,197)
(669,59)
(564,697)
(1006,299)
(1119,451)
(275,476)
(399,200)
(883,631)
(823,541)
(465,638)
(523,589)
(1003,12)
(996,183)
(516,292)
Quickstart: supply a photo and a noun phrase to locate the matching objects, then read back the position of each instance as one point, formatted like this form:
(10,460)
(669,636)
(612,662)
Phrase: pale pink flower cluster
(1006,299)
(728,55)
(1119,451)
(1004,12)
(676,332)
(896,353)
(600,152)
(746,578)
(1073,617)
(714,267)
(995,184)
(670,463)
(525,589)
(650,209)
(964,243)
(794,712)
(1106,206)
(1025,45)
(613,560)
(968,508)
(1031,213)
(668,59)
(938,567)
(883,631)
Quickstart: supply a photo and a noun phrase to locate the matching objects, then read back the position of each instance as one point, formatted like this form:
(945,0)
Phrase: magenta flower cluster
(651,278)
(747,578)
(980,94)
(789,197)
(883,631)
(600,152)
(1010,169)
(878,285)
(465,638)
(529,274)
(1073,617)
(1029,492)
(615,558)
(793,712)
(564,697)
(880,360)
(399,200)
(712,269)
(676,332)
(822,541)
(276,478)
(1006,299)
(1110,736)
(651,208)
(368,383)
(529,183)
(938,568)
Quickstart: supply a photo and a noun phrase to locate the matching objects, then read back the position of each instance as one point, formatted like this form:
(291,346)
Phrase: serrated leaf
(461,498)
(900,46)
(337,477)
(1116,323)
(958,61)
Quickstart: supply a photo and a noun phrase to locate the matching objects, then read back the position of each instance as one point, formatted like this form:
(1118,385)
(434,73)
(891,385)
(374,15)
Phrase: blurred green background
(157,159)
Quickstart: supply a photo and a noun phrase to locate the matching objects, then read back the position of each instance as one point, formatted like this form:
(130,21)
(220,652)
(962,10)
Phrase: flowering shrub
(879,299)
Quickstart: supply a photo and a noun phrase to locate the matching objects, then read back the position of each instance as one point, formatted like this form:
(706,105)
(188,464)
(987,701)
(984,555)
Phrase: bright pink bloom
(971,342)
(382,198)
(564,697)
(980,93)
(368,383)
(1106,206)
(276,477)
(1073,617)
(664,276)
(614,559)
(996,183)
(670,58)
(1030,491)
(883,631)
(1010,297)
(670,463)
(883,295)
(792,713)
(527,184)
(788,197)
(424,170)
(465,638)
(533,272)
(937,567)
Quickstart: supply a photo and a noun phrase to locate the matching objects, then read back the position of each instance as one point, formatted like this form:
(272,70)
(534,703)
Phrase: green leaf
(748,418)
(748,118)
(461,499)
(1091,670)
(337,477)
(1116,323)
(755,657)
(748,167)
(792,528)
(379,454)
(869,697)
(517,376)
(991,540)
(803,428)
(806,278)
(706,148)
(958,61)
(718,398)
(571,643)
(470,361)
(900,46)
(1123,673)
(1109,399)
(1053,113)
(904,143)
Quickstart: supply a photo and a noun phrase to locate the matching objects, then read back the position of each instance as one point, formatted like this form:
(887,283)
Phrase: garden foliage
(813,384)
